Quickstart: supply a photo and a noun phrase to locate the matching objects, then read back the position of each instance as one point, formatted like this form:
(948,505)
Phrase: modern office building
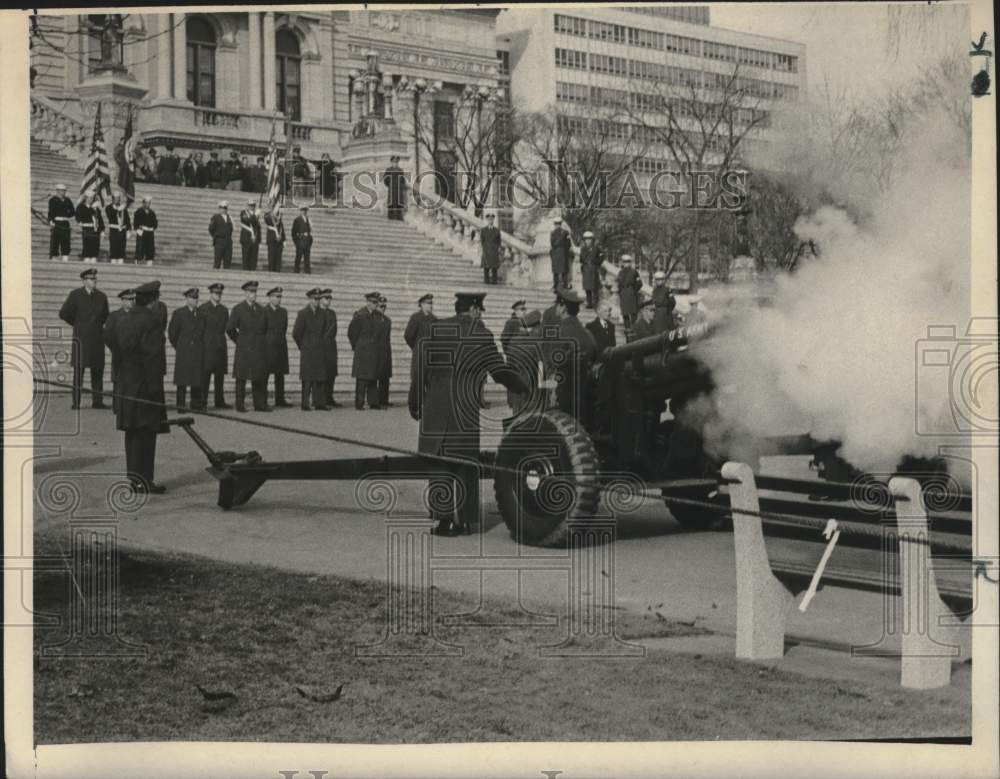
(581,62)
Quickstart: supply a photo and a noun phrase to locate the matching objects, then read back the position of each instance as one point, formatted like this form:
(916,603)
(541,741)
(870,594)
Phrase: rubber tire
(576,462)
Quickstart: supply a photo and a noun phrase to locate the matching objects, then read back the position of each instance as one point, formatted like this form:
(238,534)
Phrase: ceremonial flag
(125,157)
(96,177)
(272,192)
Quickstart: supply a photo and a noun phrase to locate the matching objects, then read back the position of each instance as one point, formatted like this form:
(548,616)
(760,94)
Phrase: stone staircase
(354,252)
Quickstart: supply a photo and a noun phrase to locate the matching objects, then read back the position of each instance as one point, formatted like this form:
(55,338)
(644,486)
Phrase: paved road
(324,527)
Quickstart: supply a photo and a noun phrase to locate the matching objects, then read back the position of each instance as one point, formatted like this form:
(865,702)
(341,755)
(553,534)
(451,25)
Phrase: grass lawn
(260,633)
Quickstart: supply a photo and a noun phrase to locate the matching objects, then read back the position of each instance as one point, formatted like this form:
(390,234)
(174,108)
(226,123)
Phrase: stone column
(253,21)
(164,82)
(180,56)
(270,79)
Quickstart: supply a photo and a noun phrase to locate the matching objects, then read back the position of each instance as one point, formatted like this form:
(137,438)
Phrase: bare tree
(702,123)
(581,163)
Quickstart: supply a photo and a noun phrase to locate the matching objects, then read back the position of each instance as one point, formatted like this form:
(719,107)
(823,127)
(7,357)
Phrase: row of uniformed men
(120,223)
(221,227)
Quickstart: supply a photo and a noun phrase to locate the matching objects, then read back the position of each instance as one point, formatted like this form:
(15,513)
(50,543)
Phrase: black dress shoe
(75,407)
(282,405)
(444,528)
(374,408)
(222,405)
(307,408)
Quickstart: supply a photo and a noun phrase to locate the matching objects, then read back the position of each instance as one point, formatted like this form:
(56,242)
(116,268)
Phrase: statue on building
(372,95)
(112,43)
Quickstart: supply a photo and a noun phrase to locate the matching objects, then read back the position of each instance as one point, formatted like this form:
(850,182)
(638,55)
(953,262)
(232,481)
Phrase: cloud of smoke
(835,353)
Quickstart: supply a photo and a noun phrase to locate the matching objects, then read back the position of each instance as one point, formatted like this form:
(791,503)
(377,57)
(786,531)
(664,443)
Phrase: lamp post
(418,86)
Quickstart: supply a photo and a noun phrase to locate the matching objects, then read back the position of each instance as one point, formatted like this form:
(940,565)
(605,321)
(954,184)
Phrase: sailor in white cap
(221,229)
(560,252)
(61,212)
(119,226)
(591,259)
(664,303)
(144,222)
(88,216)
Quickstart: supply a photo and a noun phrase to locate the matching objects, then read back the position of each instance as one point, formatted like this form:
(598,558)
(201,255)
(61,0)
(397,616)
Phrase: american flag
(272,192)
(125,157)
(97,178)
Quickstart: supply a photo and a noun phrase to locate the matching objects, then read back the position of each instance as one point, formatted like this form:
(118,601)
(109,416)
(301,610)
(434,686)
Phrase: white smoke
(836,353)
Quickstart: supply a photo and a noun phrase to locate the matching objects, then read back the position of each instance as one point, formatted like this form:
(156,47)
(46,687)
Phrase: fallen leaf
(319,696)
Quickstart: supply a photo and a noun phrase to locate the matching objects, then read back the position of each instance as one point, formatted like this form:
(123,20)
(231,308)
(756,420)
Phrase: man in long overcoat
(385,353)
(216,353)
(186,333)
(330,355)
(489,240)
(220,227)
(276,342)
(308,332)
(629,287)
(247,328)
(455,358)
(364,336)
(139,340)
(127,298)
(515,328)
(560,253)
(664,303)
(416,328)
(395,182)
(86,311)
(591,258)
(572,367)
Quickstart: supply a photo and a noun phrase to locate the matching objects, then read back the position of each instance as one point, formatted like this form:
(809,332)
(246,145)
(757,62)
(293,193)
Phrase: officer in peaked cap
(276,344)
(490,244)
(186,333)
(416,328)
(308,334)
(141,408)
(571,357)
(303,239)
(364,335)
(216,351)
(86,310)
(220,227)
(247,328)
(518,358)
(643,327)
(454,359)
(250,235)
(144,223)
(330,356)
(127,298)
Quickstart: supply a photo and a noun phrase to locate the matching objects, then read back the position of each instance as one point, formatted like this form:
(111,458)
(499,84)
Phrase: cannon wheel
(547,475)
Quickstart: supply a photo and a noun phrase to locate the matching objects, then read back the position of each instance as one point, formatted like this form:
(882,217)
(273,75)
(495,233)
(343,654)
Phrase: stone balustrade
(453,227)
(57,128)
(249,132)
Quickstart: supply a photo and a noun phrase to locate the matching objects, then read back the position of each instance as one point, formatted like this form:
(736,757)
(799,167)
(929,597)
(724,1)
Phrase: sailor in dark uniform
(61,214)
(454,360)
(88,216)
(247,329)
(187,335)
(144,223)
(276,342)
(216,351)
(119,226)
(644,327)
(303,240)
(514,328)
(250,235)
(275,227)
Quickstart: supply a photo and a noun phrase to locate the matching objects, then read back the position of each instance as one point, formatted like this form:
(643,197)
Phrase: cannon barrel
(655,344)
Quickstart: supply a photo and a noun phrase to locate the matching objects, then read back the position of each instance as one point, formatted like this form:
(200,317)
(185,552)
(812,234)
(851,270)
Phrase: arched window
(200,62)
(288,70)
